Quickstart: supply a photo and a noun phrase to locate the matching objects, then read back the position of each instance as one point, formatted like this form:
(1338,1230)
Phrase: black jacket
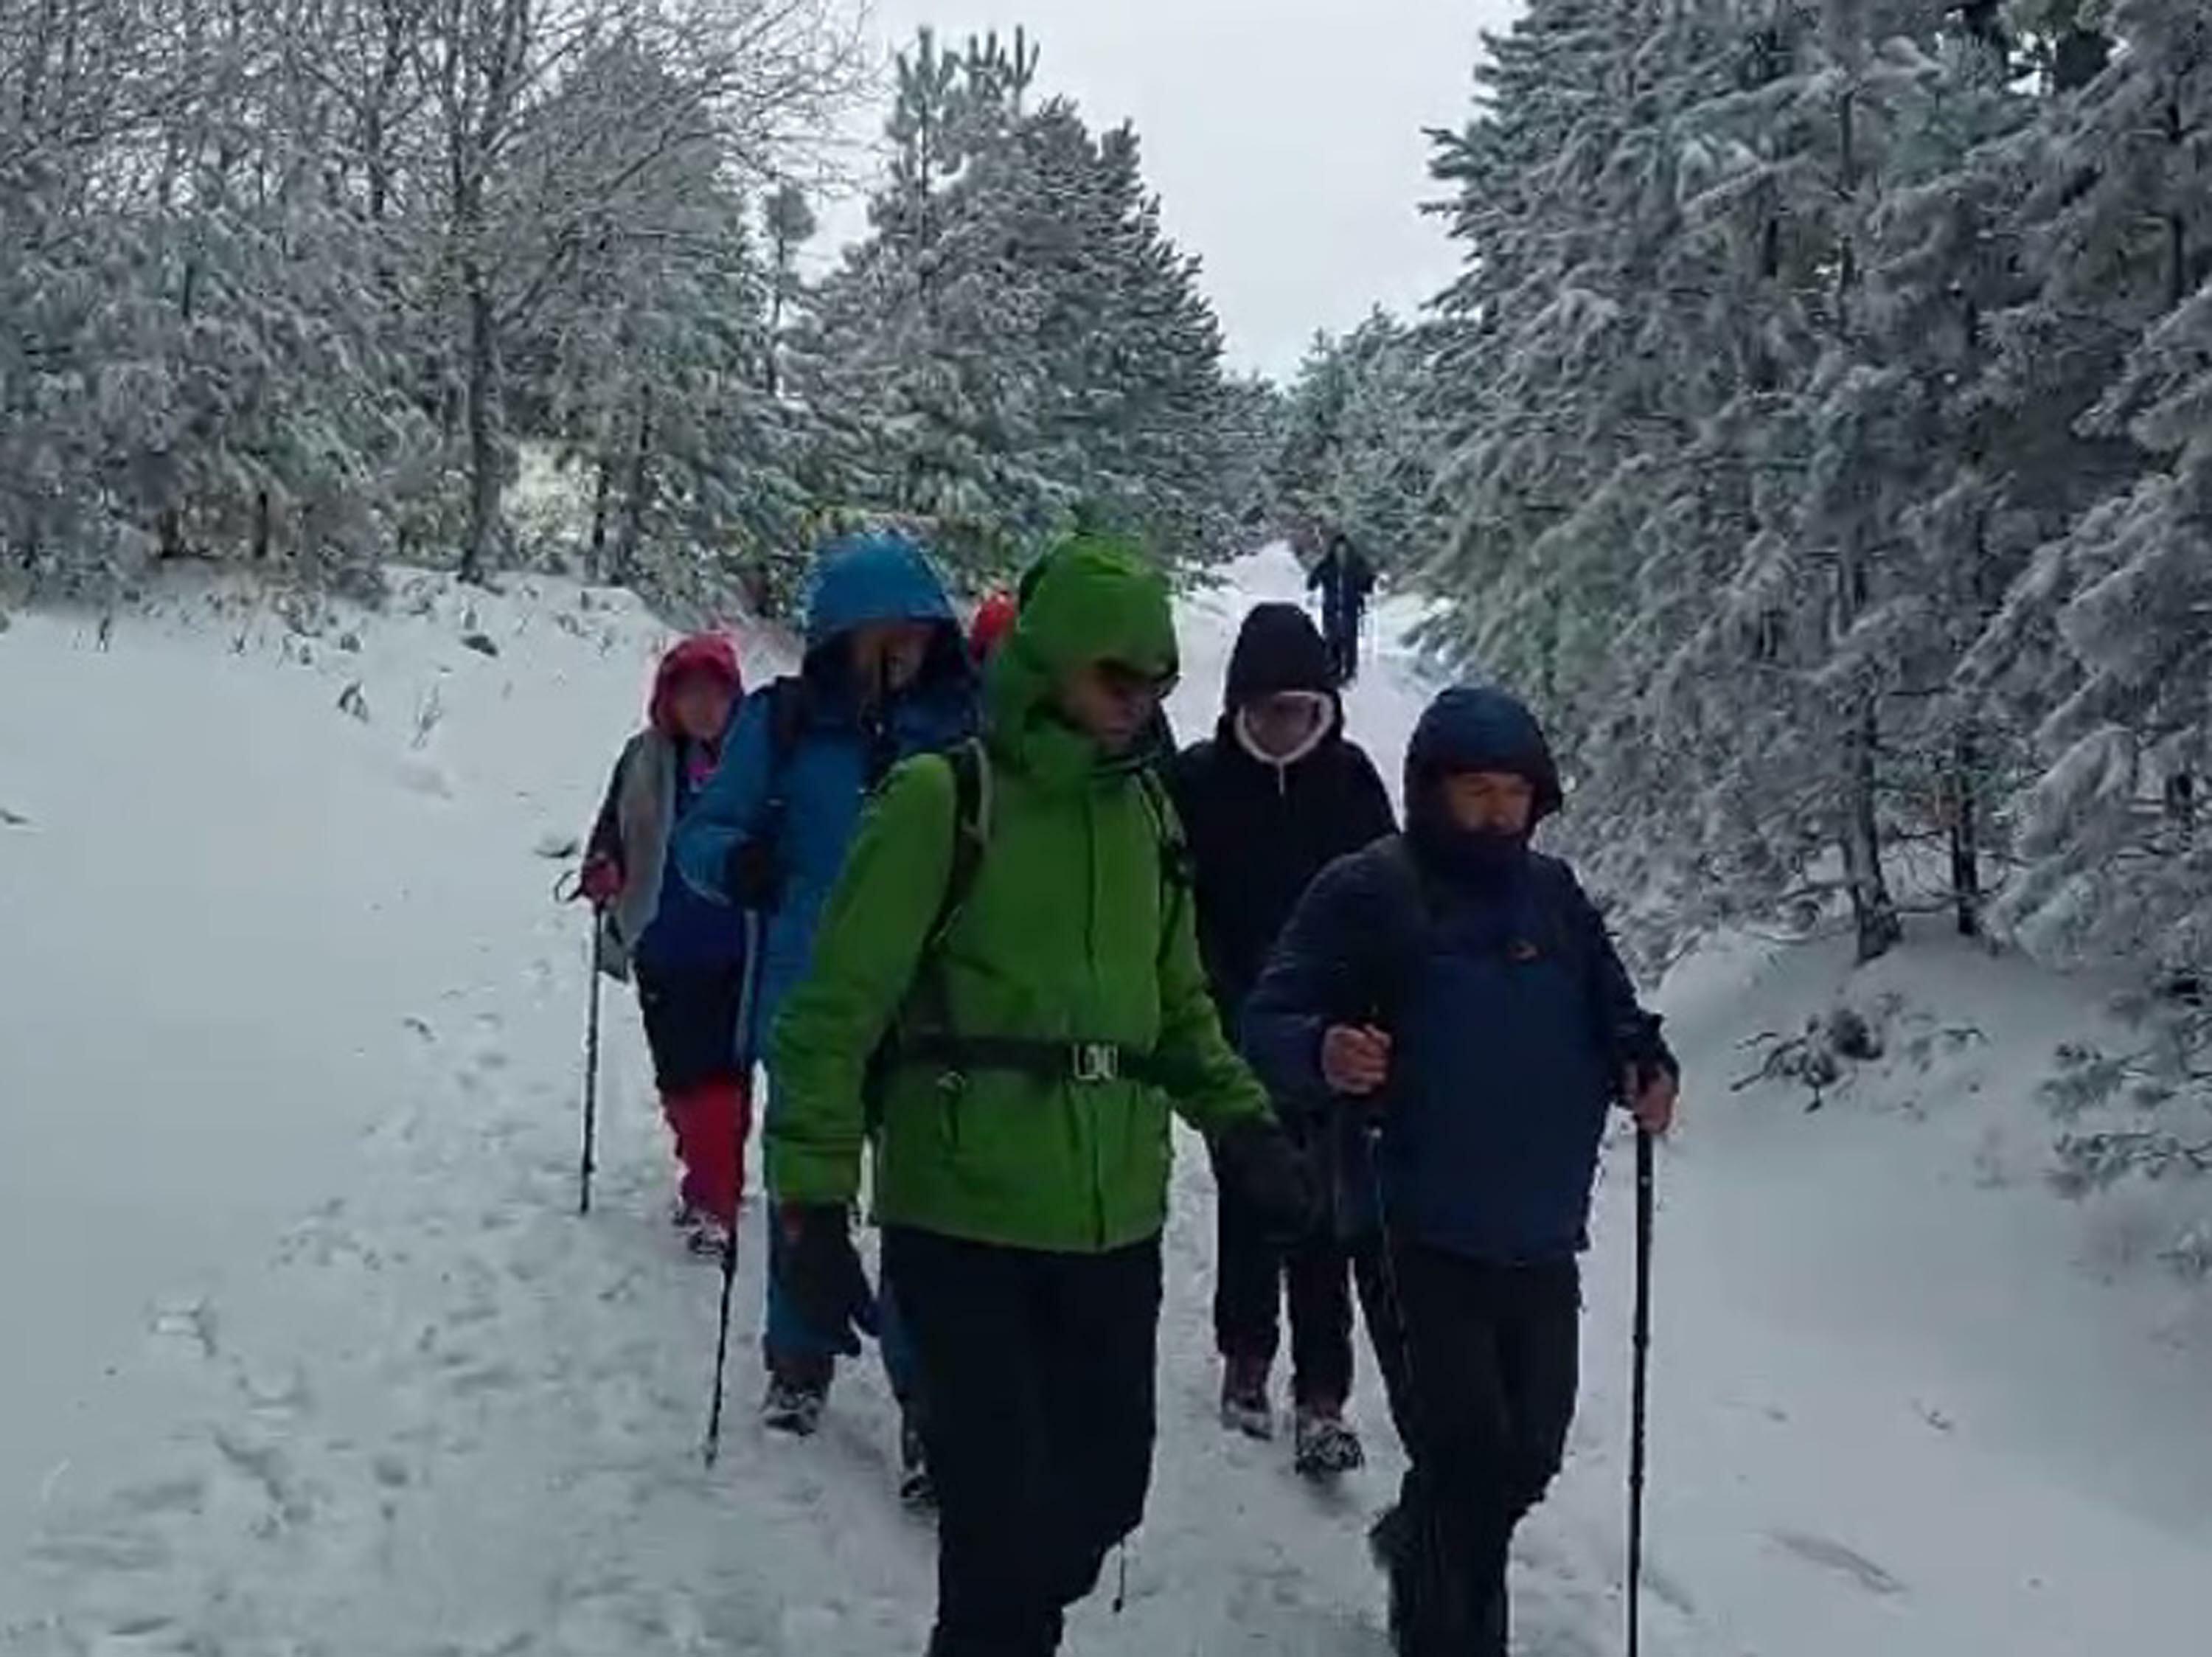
(1258,833)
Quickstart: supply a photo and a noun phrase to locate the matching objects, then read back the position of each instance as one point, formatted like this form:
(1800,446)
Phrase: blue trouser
(791,1343)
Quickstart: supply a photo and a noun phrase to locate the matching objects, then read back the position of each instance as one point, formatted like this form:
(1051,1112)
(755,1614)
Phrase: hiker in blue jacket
(886,675)
(1450,999)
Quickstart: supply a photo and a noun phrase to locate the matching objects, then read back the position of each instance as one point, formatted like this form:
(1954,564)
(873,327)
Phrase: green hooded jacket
(1072,931)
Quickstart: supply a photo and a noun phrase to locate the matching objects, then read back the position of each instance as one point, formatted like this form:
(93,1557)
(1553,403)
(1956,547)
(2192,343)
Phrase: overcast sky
(1284,136)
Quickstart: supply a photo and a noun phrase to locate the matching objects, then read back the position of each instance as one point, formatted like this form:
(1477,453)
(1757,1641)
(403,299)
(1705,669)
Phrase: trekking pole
(748,994)
(590,1162)
(1639,1390)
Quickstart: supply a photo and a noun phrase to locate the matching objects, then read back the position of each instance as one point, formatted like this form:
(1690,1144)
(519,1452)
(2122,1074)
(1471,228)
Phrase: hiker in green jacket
(1007,994)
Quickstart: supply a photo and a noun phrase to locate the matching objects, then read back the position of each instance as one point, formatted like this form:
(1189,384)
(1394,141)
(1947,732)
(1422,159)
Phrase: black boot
(798,1389)
(916,1489)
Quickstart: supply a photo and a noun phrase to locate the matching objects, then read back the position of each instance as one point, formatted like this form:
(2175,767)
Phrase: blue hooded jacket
(1511,1015)
(878,576)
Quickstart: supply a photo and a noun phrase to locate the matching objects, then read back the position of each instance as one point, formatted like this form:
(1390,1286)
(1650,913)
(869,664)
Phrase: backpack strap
(1401,934)
(971,833)
(1178,868)
(790,704)
(925,1035)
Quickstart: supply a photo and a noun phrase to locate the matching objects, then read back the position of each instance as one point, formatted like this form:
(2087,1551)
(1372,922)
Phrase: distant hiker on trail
(1273,798)
(886,675)
(988,628)
(688,961)
(1009,976)
(1453,997)
(1344,578)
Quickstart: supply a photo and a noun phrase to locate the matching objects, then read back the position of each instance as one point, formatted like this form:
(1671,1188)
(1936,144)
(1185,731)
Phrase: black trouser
(691,1023)
(1251,1269)
(1480,1362)
(1343,639)
(1040,1372)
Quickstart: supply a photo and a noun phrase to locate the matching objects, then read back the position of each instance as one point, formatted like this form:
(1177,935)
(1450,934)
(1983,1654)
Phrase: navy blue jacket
(1511,1015)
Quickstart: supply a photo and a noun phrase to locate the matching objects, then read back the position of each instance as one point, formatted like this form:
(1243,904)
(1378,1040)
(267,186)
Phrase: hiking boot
(1244,1405)
(916,1489)
(1324,1445)
(794,1403)
(705,1237)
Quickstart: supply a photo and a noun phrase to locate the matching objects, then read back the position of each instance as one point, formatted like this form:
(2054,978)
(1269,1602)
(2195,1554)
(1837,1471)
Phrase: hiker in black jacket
(1275,796)
(1344,581)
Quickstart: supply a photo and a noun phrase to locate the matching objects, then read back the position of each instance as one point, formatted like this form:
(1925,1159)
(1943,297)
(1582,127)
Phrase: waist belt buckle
(1097,1062)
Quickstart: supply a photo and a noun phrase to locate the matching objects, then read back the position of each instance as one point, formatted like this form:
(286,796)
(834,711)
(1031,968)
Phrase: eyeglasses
(1126,684)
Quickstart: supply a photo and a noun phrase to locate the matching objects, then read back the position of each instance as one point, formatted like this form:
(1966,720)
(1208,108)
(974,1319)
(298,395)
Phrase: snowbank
(311,1355)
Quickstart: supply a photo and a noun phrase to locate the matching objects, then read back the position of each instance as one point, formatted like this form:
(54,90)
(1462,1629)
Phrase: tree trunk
(482,392)
(771,356)
(2180,793)
(601,491)
(261,515)
(636,497)
(1873,913)
(1966,832)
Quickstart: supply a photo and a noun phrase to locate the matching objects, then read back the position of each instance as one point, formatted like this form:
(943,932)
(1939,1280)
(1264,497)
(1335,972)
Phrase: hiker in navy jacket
(1450,1001)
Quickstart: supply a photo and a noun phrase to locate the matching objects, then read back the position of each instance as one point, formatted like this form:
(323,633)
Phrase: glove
(1645,1054)
(1260,1162)
(753,875)
(601,881)
(820,1272)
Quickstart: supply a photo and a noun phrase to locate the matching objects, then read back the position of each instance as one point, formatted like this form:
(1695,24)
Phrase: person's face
(699,703)
(1111,703)
(889,653)
(1489,802)
(1284,722)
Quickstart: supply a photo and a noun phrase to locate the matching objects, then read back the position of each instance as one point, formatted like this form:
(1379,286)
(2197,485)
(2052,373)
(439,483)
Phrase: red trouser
(711,1122)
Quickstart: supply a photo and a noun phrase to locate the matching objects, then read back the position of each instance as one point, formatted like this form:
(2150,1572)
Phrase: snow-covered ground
(310,1354)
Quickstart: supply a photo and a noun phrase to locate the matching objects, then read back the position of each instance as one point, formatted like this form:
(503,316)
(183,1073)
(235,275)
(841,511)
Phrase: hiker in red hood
(686,957)
(993,620)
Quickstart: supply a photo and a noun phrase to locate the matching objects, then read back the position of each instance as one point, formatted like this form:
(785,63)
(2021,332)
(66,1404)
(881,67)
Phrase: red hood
(993,619)
(710,654)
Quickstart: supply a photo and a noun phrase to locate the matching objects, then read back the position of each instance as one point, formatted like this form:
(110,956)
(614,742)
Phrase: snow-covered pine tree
(2104,639)
(1358,451)
(1018,342)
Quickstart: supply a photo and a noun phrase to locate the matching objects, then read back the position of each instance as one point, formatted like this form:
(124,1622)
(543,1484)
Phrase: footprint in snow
(1831,1555)
(195,1324)
(187,1493)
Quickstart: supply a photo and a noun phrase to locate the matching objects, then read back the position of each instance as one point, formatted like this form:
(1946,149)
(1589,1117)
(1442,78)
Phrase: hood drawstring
(1122,1580)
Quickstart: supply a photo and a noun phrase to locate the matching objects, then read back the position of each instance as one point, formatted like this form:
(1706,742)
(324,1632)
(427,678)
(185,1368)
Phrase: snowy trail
(372,1388)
